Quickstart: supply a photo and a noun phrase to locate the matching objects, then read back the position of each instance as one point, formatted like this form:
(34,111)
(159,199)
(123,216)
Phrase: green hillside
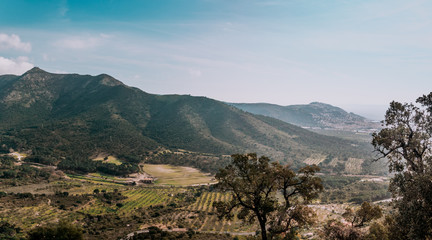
(65,119)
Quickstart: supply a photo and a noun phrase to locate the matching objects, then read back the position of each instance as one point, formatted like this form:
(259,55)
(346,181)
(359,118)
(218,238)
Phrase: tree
(366,213)
(406,143)
(335,230)
(377,232)
(254,182)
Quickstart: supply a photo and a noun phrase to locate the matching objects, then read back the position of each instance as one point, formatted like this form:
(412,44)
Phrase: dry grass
(177,176)
(39,188)
(110,159)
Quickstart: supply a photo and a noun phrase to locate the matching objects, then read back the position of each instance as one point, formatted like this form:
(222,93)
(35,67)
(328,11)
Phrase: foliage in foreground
(254,182)
(353,227)
(406,142)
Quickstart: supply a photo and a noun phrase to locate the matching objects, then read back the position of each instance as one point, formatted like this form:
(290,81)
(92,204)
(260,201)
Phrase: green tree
(366,213)
(254,182)
(335,230)
(377,232)
(406,143)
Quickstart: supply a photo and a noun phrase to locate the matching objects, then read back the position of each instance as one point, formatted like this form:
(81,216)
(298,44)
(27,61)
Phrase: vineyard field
(315,159)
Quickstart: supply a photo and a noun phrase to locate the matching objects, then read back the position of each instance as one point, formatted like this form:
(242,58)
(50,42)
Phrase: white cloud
(13,42)
(16,66)
(78,43)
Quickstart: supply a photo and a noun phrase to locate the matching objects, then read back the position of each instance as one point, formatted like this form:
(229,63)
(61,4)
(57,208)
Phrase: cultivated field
(171,203)
(314,159)
(177,176)
(354,165)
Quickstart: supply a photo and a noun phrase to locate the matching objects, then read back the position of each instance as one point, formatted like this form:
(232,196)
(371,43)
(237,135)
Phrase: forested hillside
(65,119)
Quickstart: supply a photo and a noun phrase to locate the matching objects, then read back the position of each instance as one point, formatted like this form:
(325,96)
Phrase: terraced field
(315,159)
(202,216)
(354,165)
(145,197)
(28,217)
(187,207)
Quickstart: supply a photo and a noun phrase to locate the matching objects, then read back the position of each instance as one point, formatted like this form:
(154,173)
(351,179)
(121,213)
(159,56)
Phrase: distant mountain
(68,118)
(313,115)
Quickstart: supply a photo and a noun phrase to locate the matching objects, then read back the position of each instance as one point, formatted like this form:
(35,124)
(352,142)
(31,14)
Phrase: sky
(356,54)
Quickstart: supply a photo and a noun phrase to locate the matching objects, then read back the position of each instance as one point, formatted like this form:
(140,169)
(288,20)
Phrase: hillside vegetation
(69,119)
(105,209)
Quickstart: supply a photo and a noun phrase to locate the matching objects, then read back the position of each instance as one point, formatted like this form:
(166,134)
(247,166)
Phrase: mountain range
(313,115)
(70,117)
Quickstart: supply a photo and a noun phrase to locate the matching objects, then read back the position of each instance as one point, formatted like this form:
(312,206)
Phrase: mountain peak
(108,80)
(321,104)
(36,75)
(35,70)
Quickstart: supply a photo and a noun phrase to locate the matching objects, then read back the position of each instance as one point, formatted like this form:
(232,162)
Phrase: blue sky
(359,55)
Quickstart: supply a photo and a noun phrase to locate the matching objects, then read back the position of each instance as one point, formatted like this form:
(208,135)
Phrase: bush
(8,231)
(61,231)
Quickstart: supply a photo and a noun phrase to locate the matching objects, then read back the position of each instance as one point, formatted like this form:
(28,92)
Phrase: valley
(109,208)
(115,160)
(215,120)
